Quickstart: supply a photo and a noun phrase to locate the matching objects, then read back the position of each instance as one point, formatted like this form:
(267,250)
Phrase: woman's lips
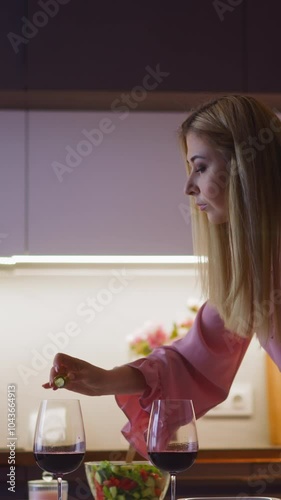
(202,207)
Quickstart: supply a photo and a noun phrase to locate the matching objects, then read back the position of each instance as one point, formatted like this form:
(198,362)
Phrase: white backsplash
(88,312)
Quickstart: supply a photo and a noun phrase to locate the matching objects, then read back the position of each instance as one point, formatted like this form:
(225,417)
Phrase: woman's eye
(200,168)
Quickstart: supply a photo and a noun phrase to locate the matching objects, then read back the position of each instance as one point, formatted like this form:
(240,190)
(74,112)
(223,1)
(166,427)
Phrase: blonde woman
(232,148)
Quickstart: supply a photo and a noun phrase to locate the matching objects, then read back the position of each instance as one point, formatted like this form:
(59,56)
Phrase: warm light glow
(98,259)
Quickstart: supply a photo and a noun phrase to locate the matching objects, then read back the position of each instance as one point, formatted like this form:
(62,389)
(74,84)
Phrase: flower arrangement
(150,335)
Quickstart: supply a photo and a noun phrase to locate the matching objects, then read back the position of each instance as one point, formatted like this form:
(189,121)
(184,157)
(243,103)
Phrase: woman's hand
(84,378)
(79,375)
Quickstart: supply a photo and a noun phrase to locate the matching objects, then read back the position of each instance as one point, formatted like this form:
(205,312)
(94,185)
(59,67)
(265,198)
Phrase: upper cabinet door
(188,46)
(107,183)
(264,45)
(13,44)
(12,183)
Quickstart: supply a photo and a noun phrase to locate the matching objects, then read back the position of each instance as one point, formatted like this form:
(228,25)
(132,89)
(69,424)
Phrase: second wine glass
(172,441)
(59,440)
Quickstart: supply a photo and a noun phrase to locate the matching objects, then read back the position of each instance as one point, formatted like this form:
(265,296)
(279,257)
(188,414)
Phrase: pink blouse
(201,367)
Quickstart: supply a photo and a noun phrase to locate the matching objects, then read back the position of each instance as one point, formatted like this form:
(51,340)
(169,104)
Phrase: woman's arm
(85,378)
(201,367)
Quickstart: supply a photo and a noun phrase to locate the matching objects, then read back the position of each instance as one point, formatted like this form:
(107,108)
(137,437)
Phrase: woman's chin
(216,219)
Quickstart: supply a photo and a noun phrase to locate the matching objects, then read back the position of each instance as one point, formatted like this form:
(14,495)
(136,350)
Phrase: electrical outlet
(239,403)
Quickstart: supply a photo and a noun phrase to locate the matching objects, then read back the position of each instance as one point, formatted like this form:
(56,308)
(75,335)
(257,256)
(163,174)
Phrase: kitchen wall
(50,308)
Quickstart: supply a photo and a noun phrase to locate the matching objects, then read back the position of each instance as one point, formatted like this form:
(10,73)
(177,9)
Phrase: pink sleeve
(201,367)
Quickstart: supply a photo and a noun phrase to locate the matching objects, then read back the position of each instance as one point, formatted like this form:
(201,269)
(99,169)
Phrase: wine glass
(59,440)
(172,441)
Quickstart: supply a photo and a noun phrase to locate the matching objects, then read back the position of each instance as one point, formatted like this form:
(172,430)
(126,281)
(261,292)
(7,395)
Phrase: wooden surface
(102,100)
(220,456)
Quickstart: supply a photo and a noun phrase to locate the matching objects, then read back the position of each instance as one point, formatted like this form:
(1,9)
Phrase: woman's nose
(191,188)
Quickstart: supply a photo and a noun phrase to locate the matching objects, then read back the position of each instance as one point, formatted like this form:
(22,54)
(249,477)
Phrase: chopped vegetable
(127,482)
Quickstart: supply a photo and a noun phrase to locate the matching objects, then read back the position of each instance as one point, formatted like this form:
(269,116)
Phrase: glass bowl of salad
(126,481)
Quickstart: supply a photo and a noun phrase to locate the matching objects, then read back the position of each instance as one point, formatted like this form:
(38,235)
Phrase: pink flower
(157,338)
(149,336)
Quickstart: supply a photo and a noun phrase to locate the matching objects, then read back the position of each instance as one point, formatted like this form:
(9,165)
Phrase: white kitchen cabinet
(106,183)
(12,183)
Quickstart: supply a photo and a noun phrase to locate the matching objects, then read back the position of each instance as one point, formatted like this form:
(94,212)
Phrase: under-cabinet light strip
(98,259)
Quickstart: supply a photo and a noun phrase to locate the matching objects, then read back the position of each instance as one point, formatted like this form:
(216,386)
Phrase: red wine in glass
(172,442)
(173,461)
(59,462)
(59,440)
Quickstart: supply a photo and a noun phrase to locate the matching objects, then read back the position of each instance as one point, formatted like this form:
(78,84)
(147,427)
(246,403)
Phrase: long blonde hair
(242,277)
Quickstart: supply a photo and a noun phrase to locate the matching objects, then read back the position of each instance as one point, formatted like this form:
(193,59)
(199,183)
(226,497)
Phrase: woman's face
(208,178)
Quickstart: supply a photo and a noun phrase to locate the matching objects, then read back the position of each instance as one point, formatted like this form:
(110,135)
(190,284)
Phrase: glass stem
(173,486)
(59,488)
